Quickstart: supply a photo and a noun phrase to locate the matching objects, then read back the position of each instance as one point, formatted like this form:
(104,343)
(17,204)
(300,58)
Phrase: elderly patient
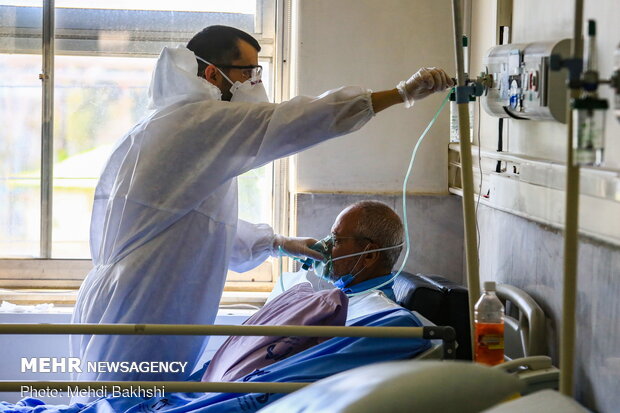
(363,247)
(365,243)
(360,254)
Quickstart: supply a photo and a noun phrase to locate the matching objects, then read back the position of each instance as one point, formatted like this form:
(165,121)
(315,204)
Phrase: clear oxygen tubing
(406,226)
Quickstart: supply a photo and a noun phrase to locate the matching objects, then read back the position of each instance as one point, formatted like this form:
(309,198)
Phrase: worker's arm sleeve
(306,121)
(252,245)
(194,148)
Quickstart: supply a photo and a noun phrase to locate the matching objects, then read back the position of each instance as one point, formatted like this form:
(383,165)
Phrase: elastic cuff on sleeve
(274,251)
(368,97)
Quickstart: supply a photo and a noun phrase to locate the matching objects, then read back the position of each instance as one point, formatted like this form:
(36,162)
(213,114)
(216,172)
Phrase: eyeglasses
(248,71)
(336,239)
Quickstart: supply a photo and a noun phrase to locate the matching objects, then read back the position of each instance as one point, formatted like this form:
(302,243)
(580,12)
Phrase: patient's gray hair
(381,224)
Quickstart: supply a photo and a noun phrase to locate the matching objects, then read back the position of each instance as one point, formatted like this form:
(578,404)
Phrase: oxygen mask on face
(323,247)
(325,269)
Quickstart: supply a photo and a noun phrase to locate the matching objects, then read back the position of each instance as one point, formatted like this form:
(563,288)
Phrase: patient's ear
(372,258)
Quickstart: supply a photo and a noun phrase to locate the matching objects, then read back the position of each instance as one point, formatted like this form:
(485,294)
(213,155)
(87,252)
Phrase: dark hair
(218,45)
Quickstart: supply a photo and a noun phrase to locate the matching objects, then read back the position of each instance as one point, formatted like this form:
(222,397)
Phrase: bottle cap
(489,286)
(591,28)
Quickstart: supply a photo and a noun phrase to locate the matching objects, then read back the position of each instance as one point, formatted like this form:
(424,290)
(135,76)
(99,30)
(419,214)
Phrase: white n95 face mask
(248,91)
(252,90)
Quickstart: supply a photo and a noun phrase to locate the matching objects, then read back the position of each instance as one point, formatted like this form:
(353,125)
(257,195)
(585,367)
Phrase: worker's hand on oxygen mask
(297,246)
(424,82)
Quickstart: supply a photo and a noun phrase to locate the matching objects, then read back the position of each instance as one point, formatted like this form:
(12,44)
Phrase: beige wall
(374,44)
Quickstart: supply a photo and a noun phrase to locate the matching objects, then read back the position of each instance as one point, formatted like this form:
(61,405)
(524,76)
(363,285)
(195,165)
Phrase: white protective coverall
(164,227)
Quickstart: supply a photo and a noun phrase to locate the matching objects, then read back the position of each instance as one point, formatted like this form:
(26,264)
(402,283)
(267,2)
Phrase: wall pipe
(571,226)
(467,176)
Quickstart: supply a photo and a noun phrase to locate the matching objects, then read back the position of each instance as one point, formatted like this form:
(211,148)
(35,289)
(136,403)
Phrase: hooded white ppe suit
(164,228)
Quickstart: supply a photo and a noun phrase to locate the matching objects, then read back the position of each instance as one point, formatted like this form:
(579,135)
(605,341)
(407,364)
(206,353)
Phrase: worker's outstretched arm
(423,83)
(385,99)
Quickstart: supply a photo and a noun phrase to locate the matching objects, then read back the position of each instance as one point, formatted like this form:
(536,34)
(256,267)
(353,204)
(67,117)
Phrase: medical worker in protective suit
(164,228)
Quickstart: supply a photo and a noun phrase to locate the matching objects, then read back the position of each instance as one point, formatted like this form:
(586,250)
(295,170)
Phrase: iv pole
(571,225)
(467,176)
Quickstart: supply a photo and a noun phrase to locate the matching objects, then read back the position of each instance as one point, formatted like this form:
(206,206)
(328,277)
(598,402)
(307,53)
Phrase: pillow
(404,386)
(300,305)
(548,401)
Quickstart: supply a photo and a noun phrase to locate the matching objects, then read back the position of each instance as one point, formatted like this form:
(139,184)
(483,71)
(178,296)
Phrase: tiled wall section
(527,255)
(435,227)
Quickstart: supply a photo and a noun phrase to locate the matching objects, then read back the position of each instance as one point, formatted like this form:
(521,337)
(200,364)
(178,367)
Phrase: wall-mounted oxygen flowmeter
(588,109)
(528,83)
(523,86)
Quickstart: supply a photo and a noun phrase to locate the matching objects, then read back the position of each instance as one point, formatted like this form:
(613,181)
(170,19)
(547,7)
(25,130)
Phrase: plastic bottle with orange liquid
(489,327)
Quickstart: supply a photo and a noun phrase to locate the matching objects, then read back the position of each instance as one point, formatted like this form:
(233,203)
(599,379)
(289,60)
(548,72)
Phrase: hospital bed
(461,388)
(443,346)
(437,299)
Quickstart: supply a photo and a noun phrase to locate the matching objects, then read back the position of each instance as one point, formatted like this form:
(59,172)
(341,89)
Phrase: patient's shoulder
(396,317)
(376,303)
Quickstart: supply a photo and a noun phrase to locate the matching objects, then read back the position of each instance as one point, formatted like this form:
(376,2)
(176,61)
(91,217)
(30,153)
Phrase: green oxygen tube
(309,261)
(405,224)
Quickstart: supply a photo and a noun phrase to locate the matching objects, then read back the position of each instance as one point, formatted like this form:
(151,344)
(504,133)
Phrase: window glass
(20,137)
(96,100)
(105,53)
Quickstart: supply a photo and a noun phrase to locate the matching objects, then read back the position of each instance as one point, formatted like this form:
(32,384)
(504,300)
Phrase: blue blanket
(328,358)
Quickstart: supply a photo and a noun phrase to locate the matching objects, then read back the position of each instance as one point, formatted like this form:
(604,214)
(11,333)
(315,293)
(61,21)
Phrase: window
(103,56)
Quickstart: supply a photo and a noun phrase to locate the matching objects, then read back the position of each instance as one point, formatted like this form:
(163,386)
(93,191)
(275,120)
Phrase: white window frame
(272,32)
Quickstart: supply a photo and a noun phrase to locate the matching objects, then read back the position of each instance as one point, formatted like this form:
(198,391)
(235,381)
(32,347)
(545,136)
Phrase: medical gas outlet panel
(523,85)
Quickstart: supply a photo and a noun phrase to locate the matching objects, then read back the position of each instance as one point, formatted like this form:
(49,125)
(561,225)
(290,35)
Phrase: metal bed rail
(162,386)
(446,334)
